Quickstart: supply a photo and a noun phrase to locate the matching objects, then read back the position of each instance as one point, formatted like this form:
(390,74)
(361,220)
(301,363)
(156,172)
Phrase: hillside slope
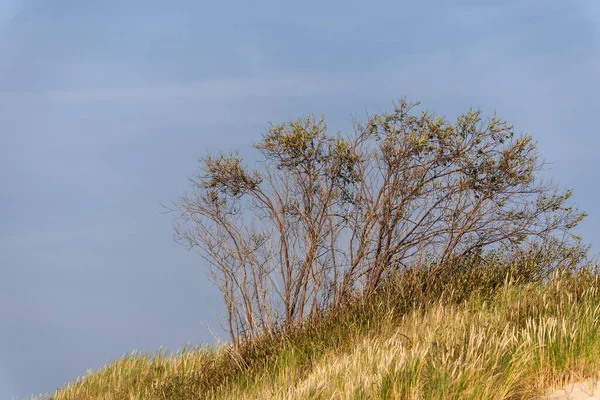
(485,335)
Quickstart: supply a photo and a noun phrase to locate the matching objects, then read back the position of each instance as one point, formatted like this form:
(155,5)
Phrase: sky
(106,105)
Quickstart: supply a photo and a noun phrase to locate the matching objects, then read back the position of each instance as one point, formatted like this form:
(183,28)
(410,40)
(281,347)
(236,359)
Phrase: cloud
(215,89)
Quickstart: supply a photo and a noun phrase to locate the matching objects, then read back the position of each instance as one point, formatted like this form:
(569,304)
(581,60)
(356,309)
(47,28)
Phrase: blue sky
(106,106)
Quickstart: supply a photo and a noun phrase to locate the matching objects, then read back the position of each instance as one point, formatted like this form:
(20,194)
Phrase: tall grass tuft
(494,331)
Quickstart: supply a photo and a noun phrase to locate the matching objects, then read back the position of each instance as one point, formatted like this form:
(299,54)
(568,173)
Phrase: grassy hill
(493,332)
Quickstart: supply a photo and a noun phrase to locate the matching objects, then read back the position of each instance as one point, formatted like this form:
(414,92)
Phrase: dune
(584,390)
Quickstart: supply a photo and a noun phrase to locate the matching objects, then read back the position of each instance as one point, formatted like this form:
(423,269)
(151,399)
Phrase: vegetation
(414,259)
(323,216)
(492,333)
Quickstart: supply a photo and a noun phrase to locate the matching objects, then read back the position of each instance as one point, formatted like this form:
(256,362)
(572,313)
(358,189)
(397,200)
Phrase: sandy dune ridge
(585,390)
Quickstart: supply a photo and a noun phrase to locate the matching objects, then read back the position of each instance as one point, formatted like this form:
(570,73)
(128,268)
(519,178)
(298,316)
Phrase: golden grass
(510,344)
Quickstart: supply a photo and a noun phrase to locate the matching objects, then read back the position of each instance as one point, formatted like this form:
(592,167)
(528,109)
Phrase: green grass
(488,333)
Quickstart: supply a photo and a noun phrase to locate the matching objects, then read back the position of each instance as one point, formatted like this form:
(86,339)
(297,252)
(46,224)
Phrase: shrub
(321,216)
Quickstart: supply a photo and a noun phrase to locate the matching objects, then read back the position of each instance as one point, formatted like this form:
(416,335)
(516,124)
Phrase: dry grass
(508,340)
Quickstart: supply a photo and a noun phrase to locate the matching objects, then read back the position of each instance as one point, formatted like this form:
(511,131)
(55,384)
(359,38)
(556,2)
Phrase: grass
(487,333)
